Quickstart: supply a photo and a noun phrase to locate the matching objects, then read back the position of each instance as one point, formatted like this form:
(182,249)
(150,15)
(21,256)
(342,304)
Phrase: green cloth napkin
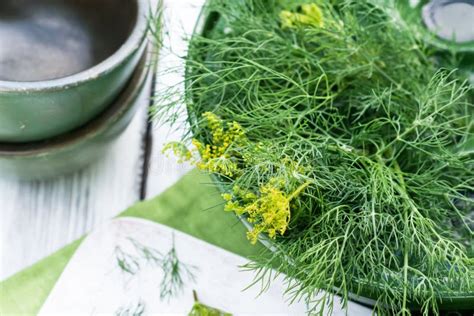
(193,205)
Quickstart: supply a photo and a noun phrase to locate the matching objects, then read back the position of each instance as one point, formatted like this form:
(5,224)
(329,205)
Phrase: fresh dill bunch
(382,136)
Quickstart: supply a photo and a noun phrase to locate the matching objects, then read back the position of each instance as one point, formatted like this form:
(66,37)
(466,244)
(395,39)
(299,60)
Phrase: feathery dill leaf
(175,272)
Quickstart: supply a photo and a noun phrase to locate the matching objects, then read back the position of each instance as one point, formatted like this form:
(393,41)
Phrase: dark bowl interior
(51,39)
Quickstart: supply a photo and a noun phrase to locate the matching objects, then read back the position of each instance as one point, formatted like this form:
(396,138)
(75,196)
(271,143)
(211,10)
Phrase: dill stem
(404,193)
(299,190)
(389,146)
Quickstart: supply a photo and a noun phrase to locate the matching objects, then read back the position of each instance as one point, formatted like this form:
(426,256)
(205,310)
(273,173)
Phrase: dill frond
(176,273)
(137,309)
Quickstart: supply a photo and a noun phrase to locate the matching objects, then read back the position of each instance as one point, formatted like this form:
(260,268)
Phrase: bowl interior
(51,39)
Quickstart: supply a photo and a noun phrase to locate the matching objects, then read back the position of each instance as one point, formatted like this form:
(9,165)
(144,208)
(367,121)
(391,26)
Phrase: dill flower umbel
(220,155)
(179,150)
(268,211)
(311,15)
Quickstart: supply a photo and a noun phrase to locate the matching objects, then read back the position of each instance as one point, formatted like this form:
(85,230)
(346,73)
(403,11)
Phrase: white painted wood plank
(37,218)
(180,19)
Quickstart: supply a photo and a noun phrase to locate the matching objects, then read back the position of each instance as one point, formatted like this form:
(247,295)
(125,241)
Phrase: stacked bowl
(447,27)
(70,72)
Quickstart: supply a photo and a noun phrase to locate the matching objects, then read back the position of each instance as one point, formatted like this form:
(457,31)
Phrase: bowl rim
(128,47)
(125,100)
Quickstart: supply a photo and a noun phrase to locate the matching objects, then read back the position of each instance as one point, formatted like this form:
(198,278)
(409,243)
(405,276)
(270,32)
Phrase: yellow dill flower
(250,196)
(213,121)
(221,165)
(197,144)
(233,206)
(269,211)
(227,196)
(179,150)
(221,155)
(217,157)
(311,15)
(287,19)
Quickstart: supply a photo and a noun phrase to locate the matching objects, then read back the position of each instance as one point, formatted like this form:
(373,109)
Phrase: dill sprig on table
(356,107)
(175,272)
(136,309)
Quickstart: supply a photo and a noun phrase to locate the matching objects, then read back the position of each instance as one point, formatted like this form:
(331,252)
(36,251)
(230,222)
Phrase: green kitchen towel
(193,205)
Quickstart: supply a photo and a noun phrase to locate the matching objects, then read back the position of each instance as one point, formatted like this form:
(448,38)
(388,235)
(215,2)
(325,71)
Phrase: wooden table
(37,218)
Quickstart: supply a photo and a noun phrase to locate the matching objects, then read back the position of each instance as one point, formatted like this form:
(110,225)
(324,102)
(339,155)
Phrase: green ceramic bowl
(449,303)
(63,62)
(72,151)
